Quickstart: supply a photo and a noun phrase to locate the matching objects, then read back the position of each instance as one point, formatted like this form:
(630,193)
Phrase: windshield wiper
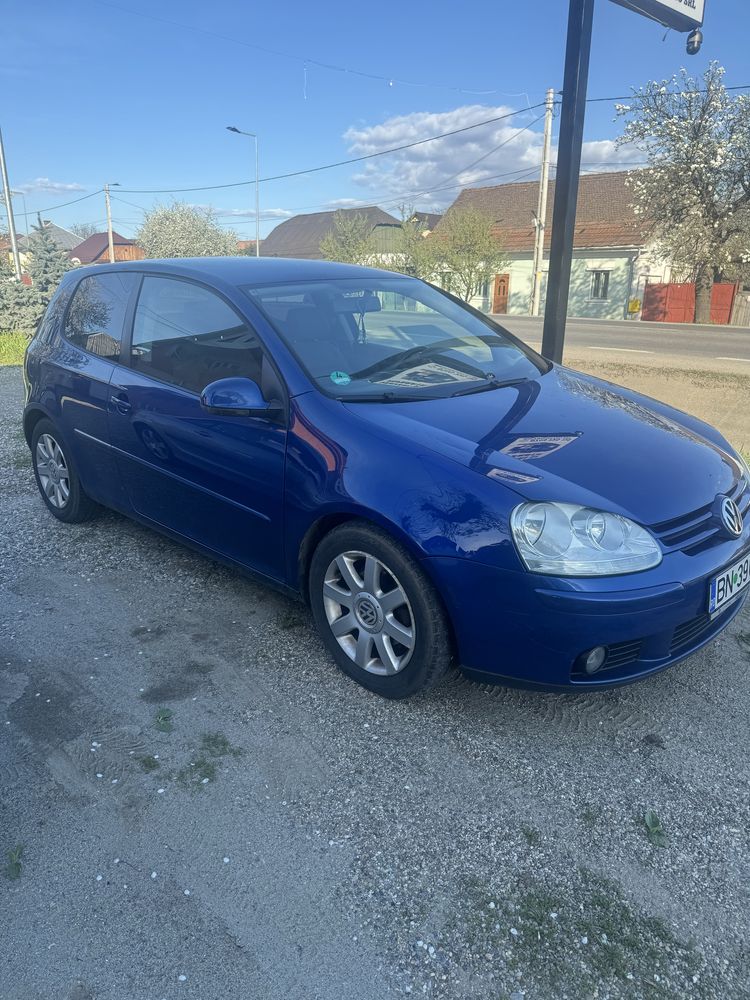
(491,384)
(382,397)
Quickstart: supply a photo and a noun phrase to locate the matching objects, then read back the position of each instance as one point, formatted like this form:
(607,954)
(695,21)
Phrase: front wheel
(378,613)
(56,477)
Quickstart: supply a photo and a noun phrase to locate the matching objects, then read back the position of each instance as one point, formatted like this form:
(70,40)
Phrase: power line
(674,93)
(40,211)
(305,61)
(339,163)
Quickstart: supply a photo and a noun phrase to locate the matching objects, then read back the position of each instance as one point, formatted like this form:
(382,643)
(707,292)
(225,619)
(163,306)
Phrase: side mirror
(238,397)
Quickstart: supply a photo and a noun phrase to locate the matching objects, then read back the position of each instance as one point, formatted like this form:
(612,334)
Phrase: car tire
(378,613)
(56,476)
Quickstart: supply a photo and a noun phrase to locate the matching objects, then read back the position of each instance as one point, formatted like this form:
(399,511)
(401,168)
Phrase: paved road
(723,342)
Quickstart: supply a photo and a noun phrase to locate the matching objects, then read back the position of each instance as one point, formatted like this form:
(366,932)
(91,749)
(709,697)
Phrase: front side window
(97,312)
(188,336)
(600,284)
(391,338)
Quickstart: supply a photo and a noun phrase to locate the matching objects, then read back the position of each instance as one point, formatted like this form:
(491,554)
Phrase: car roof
(242,270)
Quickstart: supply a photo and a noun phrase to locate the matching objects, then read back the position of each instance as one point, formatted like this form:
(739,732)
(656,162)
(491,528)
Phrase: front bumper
(529,630)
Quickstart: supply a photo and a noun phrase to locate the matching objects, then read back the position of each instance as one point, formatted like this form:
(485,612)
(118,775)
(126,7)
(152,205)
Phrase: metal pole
(577,52)
(257,200)
(541,209)
(110,237)
(9,210)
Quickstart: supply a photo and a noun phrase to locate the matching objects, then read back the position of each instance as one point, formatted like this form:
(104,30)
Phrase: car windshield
(391,338)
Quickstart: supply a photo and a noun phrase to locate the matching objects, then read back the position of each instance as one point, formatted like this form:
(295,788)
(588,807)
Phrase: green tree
(182,230)
(464,245)
(350,241)
(695,193)
(415,253)
(48,262)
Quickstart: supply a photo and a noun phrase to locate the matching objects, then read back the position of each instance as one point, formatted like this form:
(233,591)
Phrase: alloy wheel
(52,470)
(369,613)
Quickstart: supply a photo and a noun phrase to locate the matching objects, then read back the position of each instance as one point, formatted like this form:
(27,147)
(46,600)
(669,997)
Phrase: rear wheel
(56,477)
(378,613)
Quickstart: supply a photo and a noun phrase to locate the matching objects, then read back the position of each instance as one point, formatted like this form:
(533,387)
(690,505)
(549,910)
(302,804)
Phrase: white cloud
(243,213)
(45,185)
(430,175)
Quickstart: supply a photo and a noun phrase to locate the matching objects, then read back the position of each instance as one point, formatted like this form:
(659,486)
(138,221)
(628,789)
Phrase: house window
(599,285)
(483,289)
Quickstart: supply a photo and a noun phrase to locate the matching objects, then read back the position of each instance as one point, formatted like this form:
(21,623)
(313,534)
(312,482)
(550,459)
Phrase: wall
(625,266)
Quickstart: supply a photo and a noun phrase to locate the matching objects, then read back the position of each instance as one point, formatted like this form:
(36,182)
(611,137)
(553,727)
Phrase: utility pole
(9,210)
(110,237)
(541,209)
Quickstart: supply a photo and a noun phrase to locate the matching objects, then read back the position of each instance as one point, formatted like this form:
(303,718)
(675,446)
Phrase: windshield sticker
(340,378)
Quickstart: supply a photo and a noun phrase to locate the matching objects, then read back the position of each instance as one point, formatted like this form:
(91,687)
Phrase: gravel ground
(284,835)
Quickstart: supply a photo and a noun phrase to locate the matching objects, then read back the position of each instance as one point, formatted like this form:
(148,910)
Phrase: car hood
(569,437)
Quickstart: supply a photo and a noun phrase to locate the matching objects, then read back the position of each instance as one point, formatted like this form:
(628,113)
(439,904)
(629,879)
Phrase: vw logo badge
(731,517)
(368,614)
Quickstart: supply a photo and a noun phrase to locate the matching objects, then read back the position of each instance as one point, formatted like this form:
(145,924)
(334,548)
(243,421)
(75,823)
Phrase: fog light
(594,659)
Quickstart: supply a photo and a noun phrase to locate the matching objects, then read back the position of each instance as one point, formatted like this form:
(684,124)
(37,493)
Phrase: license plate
(728,584)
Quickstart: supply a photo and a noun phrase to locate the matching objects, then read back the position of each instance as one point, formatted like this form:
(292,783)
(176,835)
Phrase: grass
(12,348)
(579,938)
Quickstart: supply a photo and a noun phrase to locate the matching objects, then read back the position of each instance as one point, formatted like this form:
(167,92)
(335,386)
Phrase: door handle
(121,403)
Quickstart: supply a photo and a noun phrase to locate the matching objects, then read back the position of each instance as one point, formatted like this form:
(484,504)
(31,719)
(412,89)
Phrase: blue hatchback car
(435,490)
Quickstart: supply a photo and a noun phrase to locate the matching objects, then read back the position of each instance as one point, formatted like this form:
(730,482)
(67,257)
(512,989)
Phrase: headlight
(563,539)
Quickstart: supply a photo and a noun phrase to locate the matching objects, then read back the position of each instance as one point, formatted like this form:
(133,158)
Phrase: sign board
(682,15)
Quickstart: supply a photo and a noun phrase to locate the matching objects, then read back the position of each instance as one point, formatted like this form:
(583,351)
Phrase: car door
(215,479)
(78,370)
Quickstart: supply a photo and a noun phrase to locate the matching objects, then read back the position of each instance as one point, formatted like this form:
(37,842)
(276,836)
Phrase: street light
(232,128)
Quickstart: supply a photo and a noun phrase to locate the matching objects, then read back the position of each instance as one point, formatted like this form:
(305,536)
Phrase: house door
(500,293)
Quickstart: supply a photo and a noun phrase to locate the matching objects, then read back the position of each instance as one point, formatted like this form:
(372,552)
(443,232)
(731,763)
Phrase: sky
(140,94)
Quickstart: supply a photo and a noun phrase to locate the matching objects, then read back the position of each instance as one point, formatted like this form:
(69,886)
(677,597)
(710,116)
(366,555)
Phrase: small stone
(153,874)
(117,861)
(492,906)
(226,861)
(182,978)
(514,932)
(186,892)
(98,878)
(584,940)
(204,781)
(99,774)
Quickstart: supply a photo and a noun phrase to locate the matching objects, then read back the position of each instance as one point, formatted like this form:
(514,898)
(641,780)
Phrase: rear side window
(97,313)
(188,336)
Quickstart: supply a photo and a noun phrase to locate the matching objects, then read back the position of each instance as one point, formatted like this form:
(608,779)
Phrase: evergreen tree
(49,262)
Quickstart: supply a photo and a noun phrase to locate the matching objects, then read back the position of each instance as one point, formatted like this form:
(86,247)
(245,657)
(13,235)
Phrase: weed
(654,829)
(202,769)
(148,763)
(532,835)
(163,720)
(217,745)
(14,867)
